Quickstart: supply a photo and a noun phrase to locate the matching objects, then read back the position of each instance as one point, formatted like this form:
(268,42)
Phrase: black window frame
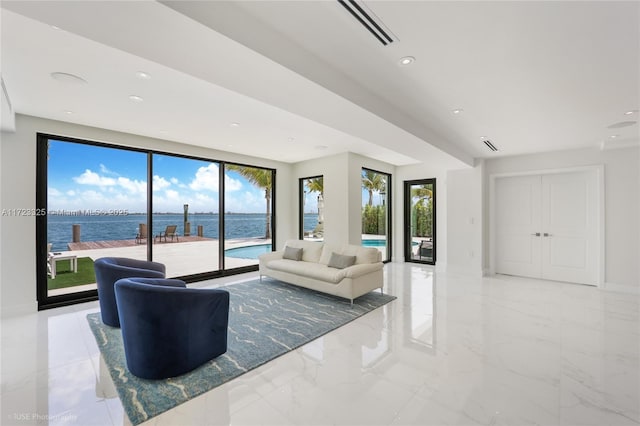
(407,220)
(42,145)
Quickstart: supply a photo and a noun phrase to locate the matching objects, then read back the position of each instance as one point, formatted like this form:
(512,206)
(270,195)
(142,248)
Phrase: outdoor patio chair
(168,329)
(142,233)
(425,249)
(170,231)
(111,269)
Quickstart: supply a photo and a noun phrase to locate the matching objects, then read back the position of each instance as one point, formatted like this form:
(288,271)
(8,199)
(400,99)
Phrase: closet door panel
(518,249)
(569,227)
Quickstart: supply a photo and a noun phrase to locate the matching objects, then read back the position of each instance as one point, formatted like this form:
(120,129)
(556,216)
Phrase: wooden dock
(91,245)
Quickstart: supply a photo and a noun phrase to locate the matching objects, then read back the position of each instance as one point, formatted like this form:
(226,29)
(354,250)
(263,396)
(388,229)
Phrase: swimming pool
(248,252)
(379,243)
(374,243)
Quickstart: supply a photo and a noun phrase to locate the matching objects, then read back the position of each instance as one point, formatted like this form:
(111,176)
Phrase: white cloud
(231,184)
(92,178)
(206,179)
(174,181)
(71,193)
(133,186)
(105,170)
(246,202)
(170,194)
(160,183)
(52,192)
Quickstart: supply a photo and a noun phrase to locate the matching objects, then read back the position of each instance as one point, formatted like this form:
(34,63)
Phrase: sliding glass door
(95,199)
(420,221)
(376,215)
(99,200)
(248,218)
(185,222)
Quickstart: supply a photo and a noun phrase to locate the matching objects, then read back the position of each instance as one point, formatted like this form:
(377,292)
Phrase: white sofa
(313,272)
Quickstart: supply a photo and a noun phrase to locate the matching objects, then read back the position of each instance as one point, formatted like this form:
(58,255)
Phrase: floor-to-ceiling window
(311,193)
(248,218)
(420,221)
(94,201)
(376,215)
(185,211)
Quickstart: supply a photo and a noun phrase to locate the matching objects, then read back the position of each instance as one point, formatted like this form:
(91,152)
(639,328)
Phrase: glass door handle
(537,234)
(546,235)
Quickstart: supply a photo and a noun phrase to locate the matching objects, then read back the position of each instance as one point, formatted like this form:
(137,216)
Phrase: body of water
(106,228)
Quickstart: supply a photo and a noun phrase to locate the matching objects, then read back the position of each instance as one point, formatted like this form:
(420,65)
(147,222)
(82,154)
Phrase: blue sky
(97,178)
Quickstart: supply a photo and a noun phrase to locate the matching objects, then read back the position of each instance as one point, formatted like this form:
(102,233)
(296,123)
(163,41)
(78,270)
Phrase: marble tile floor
(451,350)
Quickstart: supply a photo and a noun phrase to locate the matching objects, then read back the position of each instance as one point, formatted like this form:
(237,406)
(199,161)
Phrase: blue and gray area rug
(266,320)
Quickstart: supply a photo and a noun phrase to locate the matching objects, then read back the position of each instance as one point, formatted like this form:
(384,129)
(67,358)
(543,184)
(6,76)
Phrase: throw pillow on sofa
(292,253)
(341,261)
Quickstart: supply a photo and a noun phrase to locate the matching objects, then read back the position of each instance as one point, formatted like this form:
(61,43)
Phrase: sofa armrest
(355,271)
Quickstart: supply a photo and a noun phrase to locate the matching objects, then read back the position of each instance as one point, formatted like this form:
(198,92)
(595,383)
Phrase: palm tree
(315,184)
(422,193)
(262,179)
(372,181)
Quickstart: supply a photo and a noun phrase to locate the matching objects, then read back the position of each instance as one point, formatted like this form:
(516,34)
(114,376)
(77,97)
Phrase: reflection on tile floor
(451,350)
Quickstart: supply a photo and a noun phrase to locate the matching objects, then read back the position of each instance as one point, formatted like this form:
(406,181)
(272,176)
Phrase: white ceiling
(304,80)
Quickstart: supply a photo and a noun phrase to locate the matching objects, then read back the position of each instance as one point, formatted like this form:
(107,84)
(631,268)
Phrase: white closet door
(518,249)
(569,227)
(547,226)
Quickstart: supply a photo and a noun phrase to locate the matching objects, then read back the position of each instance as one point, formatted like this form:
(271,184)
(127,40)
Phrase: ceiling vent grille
(367,21)
(489,145)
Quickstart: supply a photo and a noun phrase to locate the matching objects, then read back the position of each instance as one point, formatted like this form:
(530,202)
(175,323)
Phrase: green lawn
(65,277)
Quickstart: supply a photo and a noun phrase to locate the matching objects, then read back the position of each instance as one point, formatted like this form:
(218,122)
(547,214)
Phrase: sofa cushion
(362,254)
(341,261)
(311,250)
(308,269)
(292,253)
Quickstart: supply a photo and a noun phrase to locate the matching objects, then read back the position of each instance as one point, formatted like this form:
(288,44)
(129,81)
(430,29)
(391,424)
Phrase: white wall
(342,193)
(464,221)
(17,190)
(334,172)
(622,204)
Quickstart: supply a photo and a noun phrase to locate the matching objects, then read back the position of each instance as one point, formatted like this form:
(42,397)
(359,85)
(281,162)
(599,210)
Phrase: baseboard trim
(14,311)
(621,288)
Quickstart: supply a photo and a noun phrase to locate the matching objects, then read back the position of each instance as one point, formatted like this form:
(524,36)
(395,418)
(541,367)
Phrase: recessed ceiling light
(235,124)
(68,112)
(143,75)
(483,137)
(406,60)
(457,110)
(136,98)
(56,28)
(614,136)
(631,112)
(66,77)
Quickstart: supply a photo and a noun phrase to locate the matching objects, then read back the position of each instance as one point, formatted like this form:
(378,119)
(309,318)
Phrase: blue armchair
(109,270)
(168,329)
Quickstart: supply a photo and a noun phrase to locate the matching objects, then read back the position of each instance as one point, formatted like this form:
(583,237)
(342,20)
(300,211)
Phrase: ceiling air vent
(489,145)
(367,21)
